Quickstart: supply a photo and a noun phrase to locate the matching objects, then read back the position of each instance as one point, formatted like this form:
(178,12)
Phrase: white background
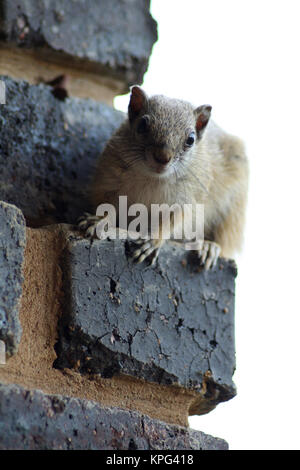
(242,57)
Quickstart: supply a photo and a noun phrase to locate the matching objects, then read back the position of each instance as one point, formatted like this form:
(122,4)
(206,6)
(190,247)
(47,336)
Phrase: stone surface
(12,246)
(170,324)
(32,366)
(36,421)
(48,150)
(113,37)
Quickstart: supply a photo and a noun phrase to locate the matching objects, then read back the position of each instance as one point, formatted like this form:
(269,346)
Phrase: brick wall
(100,353)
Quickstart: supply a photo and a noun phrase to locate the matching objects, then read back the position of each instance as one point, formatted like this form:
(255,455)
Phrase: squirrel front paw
(87,223)
(208,253)
(146,250)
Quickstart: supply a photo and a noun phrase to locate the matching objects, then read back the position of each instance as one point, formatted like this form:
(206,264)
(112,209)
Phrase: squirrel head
(165,131)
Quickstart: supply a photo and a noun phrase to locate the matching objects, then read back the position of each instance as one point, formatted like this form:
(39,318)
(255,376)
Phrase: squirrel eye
(143,125)
(191,139)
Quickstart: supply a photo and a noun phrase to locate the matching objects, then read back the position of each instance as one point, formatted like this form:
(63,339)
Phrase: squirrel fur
(169,152)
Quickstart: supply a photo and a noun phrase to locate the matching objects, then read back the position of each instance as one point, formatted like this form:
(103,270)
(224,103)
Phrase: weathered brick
(30,419)
(170,324)
(48,151)
(12,245)
(109,37)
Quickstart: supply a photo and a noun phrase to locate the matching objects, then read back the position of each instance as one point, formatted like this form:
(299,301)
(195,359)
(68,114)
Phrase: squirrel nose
(162,155)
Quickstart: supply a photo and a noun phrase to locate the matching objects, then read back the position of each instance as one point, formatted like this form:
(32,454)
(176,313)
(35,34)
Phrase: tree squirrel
(168,152)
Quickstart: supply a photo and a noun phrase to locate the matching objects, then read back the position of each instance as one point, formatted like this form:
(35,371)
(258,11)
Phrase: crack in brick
(144,324)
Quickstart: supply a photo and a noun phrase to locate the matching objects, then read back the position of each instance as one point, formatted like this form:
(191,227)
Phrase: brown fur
(214,171)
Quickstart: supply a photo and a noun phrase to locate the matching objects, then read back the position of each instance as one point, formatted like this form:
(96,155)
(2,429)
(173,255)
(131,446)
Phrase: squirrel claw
(147,250)
(209,254)
(87,223)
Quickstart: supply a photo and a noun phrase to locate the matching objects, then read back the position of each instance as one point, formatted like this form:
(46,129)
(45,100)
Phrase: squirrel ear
(202,115)
(138,102)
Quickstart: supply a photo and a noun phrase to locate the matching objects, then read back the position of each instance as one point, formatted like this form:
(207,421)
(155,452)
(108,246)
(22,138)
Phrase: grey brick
(113,37)
(36,421)
(48,151)
(12,246)
(169,324)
